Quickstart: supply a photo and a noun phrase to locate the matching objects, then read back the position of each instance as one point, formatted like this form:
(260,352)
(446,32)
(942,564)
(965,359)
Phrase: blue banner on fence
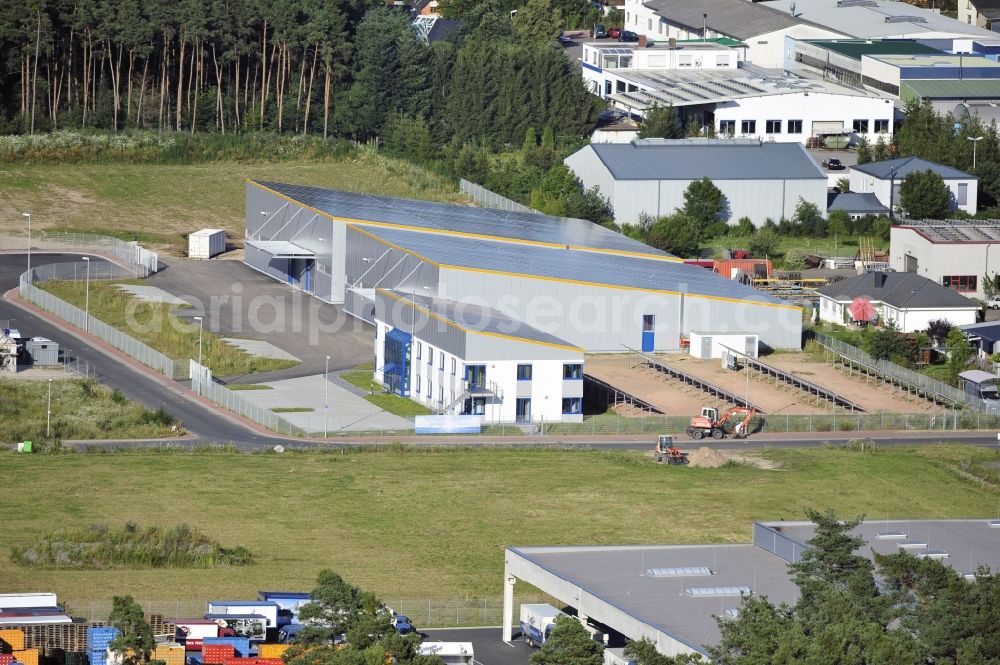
(447,424)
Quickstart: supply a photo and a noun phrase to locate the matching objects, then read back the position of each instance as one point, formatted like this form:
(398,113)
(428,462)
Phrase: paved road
(208,424)
(487,644)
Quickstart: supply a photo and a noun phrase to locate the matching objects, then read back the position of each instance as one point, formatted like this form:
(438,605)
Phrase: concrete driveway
(237,301)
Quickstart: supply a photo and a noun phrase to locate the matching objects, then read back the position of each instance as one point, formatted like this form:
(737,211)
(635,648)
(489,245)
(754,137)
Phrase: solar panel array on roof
(679,571)
(362,208)
(715,591)
(577,266)
(957,230)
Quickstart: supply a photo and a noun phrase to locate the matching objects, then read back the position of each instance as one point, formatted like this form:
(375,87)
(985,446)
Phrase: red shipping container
(269,661)
(752,267)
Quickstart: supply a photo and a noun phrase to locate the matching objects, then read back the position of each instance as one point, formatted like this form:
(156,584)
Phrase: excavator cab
(710,412)
(667,452)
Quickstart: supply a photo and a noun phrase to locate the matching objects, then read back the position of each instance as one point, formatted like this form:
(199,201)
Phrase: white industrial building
(759,180)
(953,252)
(747,101)
(876,19)
(675,595)
(883,179)
(463,358)
(981,13)
(760,27)
(584,287)
(908,300)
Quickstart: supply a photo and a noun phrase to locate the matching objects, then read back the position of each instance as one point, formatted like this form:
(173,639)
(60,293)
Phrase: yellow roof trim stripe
(480,236)
(468,331)
(617,286)
(355,225)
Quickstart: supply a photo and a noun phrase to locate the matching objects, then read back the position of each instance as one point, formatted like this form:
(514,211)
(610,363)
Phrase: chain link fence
(423,612)
(489,199)
(81,319)
(202,383)
(138,262)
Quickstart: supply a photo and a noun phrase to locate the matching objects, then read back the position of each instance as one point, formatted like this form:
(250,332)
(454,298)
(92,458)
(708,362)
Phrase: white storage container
(206,243)
(707,345)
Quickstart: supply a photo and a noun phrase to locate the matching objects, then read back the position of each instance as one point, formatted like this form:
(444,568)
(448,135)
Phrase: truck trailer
(537,621)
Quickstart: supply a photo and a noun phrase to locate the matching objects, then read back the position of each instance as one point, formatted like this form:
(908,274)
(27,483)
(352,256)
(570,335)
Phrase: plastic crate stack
(12,649)
(171,654)
(271,651)
(216,654)
(98,639)
(241,645)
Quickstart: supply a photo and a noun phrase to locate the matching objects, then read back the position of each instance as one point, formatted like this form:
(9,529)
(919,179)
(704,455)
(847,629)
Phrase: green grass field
(433,523)
(81,409)
(361,377)
(159,204)
(842,246)
(155,324)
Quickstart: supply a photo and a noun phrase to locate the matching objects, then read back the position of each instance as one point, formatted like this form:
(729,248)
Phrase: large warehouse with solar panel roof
(452,278)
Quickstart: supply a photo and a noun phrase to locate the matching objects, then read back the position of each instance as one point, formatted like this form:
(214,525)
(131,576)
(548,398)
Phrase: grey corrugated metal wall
(386,267)
(607,319)
(286,221)
(400,314)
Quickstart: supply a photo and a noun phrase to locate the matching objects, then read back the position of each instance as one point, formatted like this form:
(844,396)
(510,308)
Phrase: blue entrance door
(307,280)
(648,325)
(289,270)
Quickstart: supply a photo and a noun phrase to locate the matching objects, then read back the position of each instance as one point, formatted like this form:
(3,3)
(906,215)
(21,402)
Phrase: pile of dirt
(706,458)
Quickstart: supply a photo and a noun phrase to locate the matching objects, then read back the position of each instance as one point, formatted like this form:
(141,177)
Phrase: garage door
(827,127)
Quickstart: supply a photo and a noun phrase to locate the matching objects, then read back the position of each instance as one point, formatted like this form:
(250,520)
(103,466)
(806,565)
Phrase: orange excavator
(710,423)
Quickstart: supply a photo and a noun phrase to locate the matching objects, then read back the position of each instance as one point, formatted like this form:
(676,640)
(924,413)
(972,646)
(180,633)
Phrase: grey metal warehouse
(672,594)
(759,180)
(585,284)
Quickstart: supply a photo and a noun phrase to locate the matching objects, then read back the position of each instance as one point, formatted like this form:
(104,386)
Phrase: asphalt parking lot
(237,301)
(489,648)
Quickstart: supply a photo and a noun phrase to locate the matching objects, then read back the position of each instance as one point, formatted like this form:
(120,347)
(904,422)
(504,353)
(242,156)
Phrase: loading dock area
(672,594)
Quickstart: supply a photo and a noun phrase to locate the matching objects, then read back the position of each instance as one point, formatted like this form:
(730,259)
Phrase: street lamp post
(28,215)
(975,140)
(48,413)
(86,323)
(326,399)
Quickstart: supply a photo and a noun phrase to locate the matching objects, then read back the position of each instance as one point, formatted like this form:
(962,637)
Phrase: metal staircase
(490,389)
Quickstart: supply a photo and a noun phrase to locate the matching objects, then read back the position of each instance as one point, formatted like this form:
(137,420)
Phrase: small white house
(463,359)
(883,179)
(908,300)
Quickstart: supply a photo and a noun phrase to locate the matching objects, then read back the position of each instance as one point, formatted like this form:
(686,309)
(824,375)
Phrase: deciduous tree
(924,195)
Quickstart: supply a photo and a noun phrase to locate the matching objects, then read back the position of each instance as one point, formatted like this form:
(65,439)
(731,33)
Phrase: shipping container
(752,268)
(707,345)
(25,600)
(44,352)
(265,608)
(241,645)
(289,603)
(206,243)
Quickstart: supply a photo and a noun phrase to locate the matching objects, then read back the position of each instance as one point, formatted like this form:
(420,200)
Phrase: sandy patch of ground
(713,458)
(39,374)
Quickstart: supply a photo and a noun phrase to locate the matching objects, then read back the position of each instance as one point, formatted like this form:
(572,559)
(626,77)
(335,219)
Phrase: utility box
(709,345)
(206,243)
(44,352)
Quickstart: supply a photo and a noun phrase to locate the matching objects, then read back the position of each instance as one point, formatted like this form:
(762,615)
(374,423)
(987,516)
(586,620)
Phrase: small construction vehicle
(666,453)
(710,423)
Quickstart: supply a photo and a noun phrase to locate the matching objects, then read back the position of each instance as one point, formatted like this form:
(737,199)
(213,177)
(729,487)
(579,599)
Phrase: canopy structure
(282,249)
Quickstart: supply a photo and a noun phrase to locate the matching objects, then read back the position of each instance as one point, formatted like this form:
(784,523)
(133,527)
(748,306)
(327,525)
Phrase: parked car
(994,302)
(628,36)
(565,39)
(833,164)
(614,33)
(402,624)
(599,32)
